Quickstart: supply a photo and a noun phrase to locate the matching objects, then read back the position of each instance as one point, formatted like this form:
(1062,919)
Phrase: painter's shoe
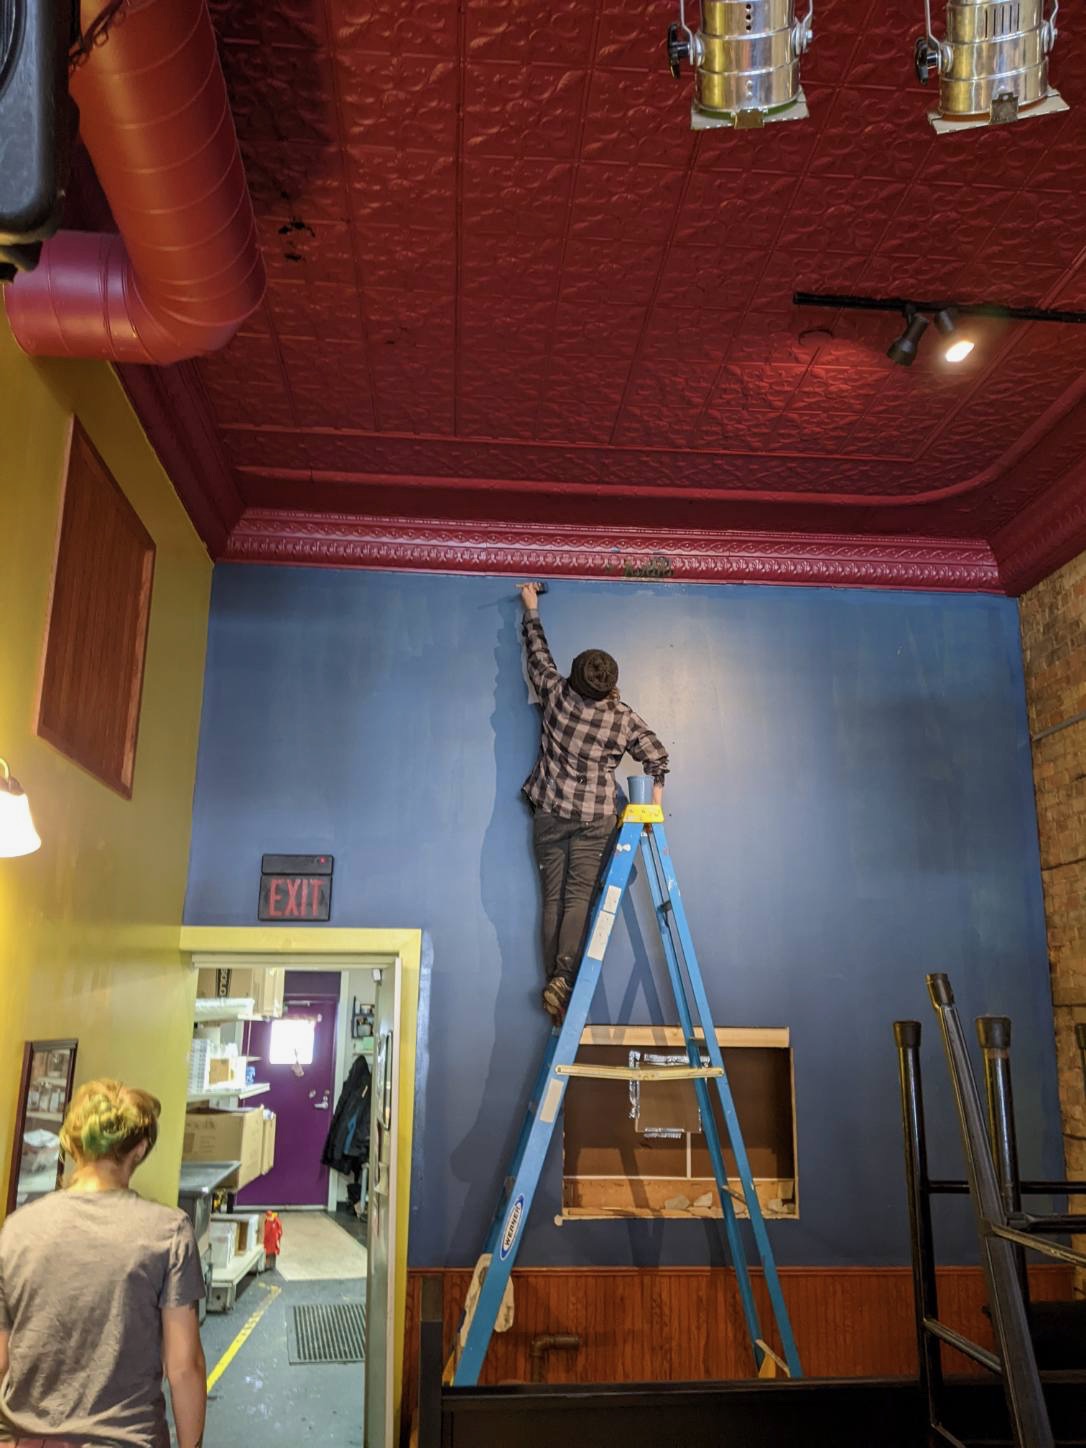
(556,996)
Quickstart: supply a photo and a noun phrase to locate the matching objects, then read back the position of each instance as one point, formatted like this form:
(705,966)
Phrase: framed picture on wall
(45,1090)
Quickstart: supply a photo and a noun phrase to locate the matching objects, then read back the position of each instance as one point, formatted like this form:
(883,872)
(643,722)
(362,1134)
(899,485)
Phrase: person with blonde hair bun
(98,1295)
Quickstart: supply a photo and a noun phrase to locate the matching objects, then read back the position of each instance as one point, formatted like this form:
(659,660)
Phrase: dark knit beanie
(594,674)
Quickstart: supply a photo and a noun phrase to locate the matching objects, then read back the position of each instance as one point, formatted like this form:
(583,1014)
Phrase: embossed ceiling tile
(530,198)
(625,203)
(1001,156)
(728,426)
(280,92)
(427,27)
(777,149)
(251,406)
(406,188)
(406,259)
(245,360)
(251,448)
(400,99)
(875,134)
(559,32)
(837,392)
(721,276)
(884,56)
(785,271)
(596,329)
(519,326)
(498,415)
(635,117)
(1012,284)
(632,35)
(663,404)
(579,405)
(746,211)
(316,310)
(1058,167)
(839,213)
(753,385)
(293,22)
(411,325)
(837,26)
(701,337)
(295,180)
(511,266)
(949,221)
(888,275)
(258,323)
(522,110)
(813,432)
(614,273)
(420,405)
(772,348)
(1035,227)
(321,253)
(339,400)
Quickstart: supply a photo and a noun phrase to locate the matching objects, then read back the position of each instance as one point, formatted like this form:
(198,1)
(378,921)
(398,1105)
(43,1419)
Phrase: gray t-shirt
(84,1277)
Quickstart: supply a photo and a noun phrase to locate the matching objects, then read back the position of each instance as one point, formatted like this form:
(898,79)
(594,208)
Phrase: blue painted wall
(851,805)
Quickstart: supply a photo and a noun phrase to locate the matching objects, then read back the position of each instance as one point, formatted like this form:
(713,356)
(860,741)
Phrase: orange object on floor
(273,1234)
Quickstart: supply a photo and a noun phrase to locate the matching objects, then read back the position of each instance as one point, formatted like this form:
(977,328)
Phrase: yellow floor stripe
(243,1336)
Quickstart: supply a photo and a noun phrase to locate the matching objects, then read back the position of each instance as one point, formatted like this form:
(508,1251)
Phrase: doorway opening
(296,1171)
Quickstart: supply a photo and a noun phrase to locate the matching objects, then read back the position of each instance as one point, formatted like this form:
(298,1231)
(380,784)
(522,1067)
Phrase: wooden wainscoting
(685,1323)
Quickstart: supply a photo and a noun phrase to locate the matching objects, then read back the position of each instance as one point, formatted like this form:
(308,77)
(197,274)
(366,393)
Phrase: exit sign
(295,887)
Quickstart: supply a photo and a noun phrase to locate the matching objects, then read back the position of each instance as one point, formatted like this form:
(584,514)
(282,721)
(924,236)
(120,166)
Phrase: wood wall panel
(92,672)
(685,1324)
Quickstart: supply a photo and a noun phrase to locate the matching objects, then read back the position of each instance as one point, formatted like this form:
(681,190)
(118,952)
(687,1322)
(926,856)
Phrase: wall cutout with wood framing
(92,672)
(636,1149)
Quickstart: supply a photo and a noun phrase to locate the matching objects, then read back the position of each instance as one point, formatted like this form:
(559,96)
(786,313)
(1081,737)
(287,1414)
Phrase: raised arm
(541,668)
(646,748)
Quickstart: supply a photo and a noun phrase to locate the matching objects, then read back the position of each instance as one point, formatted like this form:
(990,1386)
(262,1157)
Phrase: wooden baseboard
(685,1324)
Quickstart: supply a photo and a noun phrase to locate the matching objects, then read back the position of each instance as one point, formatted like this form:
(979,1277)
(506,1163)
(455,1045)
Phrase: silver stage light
(993,63)
(746,61)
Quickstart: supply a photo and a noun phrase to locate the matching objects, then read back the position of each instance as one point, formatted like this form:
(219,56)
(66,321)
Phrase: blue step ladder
(642,827)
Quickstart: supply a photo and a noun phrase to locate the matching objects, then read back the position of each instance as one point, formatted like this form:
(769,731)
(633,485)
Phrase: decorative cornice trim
(173,409)
(559,550)
(1045,535)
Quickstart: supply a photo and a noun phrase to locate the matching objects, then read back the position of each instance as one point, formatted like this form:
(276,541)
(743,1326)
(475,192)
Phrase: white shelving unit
(225,1280)
(229,1093)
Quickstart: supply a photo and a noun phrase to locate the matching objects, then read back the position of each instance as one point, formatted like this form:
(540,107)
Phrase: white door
(381,1271)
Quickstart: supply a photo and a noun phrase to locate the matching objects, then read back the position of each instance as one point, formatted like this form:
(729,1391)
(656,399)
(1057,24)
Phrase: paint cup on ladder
(640,786)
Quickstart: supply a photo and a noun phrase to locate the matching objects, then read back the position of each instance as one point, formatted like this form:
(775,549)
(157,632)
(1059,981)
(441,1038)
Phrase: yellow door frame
(405,948)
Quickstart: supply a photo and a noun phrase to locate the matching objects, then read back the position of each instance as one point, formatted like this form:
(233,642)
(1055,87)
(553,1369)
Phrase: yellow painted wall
(89,924)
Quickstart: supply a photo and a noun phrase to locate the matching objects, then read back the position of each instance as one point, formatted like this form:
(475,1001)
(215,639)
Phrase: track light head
(958,345)
(902,350)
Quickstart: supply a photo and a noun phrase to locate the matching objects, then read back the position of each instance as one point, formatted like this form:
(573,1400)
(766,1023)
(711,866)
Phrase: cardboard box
(265,986)
(226,1136)
(208,982)
(267,1155)
(226,1071)
(247,1229)
(224,1242)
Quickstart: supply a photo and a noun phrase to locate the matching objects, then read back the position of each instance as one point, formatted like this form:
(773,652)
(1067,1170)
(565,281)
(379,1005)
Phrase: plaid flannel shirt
(583,742)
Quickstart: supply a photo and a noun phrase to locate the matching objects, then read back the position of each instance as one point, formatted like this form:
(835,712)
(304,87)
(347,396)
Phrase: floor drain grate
(329,1332)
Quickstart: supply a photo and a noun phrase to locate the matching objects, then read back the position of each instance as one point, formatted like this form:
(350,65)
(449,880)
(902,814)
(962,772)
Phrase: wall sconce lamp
(958,344)
(17,833)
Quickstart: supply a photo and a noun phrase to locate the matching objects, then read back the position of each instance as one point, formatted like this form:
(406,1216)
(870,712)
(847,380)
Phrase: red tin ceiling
(511,291)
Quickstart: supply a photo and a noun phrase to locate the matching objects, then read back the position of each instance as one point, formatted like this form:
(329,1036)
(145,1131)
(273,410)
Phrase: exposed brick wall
(1054,642)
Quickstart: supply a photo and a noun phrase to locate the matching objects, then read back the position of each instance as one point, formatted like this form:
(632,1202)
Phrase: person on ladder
(586,730)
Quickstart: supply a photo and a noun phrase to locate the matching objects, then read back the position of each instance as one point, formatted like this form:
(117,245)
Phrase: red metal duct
(186,269)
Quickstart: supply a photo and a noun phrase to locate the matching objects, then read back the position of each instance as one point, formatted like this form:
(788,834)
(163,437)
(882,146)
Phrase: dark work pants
(569,854)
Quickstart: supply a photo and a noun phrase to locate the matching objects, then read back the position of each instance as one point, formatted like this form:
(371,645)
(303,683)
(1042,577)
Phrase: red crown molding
(171,404)
(555,550)
(1045,535)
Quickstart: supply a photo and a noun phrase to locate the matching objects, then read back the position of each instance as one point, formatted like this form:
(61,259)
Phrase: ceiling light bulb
(17,833)
(902,350)
(959,347)
(959,351)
